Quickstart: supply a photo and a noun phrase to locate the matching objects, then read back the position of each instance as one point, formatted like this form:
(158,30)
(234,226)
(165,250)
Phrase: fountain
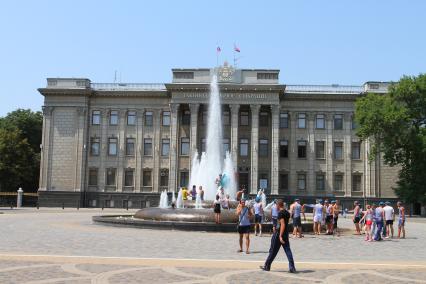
(213,169)
(206,168)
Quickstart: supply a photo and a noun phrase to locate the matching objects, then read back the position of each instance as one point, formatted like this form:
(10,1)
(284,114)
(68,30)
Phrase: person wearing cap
(329,217)
(357,217)
(244,214)
(296,210)
(280,239)
(379,215)
(258,215)
(389,218)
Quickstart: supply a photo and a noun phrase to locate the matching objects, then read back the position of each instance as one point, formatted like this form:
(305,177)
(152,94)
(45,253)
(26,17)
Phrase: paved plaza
(64,246)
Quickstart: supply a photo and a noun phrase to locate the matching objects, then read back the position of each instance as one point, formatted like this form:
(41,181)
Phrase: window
(225,145)
(95,146)
(301,120)
(338,150)
(184,179)
(263,119)
(184,146)
(204,117)
(283,120)
(338,121)
(146,178)
(267,76)
(164,177)
(147,147)
(186,117)
(301,149)
(301,181)
(263,147)
(354,125)
(226,118)
(338,182)
(319,149)
(130,146)
(320,182)
(166,118)
(128,177)
(183,75)
(93,177)
(131,118)
(356,183)
(320,121)
(244,118)
(112,146)
(113,117)
(283,149)
(110,176)
(165,147)
(96,117)
(243,147)
(356,150)
(203,145)
(284,182)
(148,118)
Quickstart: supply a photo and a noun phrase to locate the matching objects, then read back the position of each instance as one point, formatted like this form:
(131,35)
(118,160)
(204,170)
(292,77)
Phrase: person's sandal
(247,252)
(240,250)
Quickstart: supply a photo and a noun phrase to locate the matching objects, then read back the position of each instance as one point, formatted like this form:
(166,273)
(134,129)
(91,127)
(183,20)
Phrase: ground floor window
(283,183)
(147,178)
(301,181)
(184,179)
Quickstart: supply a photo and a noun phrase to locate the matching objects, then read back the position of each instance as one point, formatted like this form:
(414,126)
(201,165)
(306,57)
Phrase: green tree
(396,125)
(20,139)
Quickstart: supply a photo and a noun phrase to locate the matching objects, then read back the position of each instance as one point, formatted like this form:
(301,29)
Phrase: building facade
(119,145)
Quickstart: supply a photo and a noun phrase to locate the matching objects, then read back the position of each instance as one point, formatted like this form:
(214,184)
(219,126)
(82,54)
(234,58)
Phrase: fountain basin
(187,219)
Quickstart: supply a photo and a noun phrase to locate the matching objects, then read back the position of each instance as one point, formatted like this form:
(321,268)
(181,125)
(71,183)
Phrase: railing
(326,89)
(128,86)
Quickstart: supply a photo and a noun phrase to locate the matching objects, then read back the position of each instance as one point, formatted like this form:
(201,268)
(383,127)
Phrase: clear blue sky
(312,42)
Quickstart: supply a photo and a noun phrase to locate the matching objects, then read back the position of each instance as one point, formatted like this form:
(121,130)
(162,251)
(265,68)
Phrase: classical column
(234,133)
(348,153)
(275,111)
(156,147)
(139,142)
(254,147)
(193,130)
(174,110)
(292,153)
(329,154)
(122,124)
(311,176)
(80,149)
(45,148)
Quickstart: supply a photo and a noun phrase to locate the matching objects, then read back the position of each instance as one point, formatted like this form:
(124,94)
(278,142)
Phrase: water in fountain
(173,198)
(179,201)
(164,200)
(204,171)
(198,202)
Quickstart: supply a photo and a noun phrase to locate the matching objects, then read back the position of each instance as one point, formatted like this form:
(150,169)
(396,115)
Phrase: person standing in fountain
(194,192)
(244,214)
(216,209)
(280,239)
(201,192)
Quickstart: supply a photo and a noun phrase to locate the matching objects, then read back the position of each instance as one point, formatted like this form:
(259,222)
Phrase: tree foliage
(396,125)
(20,139)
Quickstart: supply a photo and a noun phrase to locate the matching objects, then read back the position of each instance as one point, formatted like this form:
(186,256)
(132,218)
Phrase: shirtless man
(401,220)
(296,210)
(336,211)
(357,217)
(329,214)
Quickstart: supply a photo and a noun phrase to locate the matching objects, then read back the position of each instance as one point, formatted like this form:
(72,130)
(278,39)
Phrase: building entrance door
(244,181)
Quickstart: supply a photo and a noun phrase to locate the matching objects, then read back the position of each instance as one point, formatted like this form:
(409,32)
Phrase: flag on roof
(218,49)
(236,48)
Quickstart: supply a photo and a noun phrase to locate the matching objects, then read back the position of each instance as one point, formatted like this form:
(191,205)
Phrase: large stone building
(114,144)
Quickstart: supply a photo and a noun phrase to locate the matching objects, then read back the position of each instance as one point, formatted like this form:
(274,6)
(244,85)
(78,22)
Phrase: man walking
(280,239)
